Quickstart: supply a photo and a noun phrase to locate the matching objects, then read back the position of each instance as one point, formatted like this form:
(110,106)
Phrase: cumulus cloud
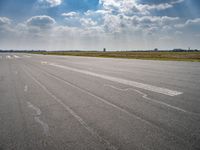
(177,1)
(115,16)
(4,21)
(5,26)
(116,24)
(72,19)
(147,8)
(163,20)
(87,22)
(51,3)
(159,1)
(188,23)
(193,22)
(118,15)
(41,21)
(70,14)
(132,7)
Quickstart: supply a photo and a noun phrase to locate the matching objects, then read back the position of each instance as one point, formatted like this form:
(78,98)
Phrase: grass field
(176,56)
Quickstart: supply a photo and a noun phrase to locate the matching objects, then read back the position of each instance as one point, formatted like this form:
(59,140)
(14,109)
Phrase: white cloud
(6,28)
(190,22)
(116,15)
(70,14)
(72,19)
(100,12)
(116,24)
(75,19)
(193,22)
(4,21)
(177,1)
(111,23)
(163,20)
(51,3)
(87,22)
(147,8)
(178,33)
(41,21)
(131,7)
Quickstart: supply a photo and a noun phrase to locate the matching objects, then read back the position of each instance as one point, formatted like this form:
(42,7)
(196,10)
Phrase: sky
(98,24)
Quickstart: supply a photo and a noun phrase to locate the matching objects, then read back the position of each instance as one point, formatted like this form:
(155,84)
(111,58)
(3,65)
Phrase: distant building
(104,49)
(155,49)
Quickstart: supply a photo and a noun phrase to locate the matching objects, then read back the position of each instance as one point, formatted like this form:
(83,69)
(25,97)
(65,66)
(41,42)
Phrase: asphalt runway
(84,103)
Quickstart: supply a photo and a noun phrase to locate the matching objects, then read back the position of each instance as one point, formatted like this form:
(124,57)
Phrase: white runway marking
(114,106)
(37,118)
(145,96)
(8,57)
(76,116)
(25,88)
(123,81)
(16,56)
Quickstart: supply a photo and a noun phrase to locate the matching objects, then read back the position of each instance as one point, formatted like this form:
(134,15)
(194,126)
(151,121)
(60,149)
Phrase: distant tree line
(183,50)
(21,51)
(104,50)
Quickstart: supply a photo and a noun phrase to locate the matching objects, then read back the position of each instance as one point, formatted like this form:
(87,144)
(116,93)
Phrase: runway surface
(82,103)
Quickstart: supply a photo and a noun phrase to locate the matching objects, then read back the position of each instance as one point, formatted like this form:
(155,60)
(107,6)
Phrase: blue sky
(94,24)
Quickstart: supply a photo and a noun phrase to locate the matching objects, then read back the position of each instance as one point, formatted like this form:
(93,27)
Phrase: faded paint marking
(37,118)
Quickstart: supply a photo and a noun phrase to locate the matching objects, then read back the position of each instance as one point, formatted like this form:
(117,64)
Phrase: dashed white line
(122,81)
(37,118)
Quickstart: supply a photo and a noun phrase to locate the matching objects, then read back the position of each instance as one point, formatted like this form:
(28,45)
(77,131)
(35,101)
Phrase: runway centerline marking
(148,87)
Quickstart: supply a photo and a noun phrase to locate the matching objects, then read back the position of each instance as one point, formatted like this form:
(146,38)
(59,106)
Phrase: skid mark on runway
(74,114)
(145,96)
(37,118)
(122,81)
(25,88)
